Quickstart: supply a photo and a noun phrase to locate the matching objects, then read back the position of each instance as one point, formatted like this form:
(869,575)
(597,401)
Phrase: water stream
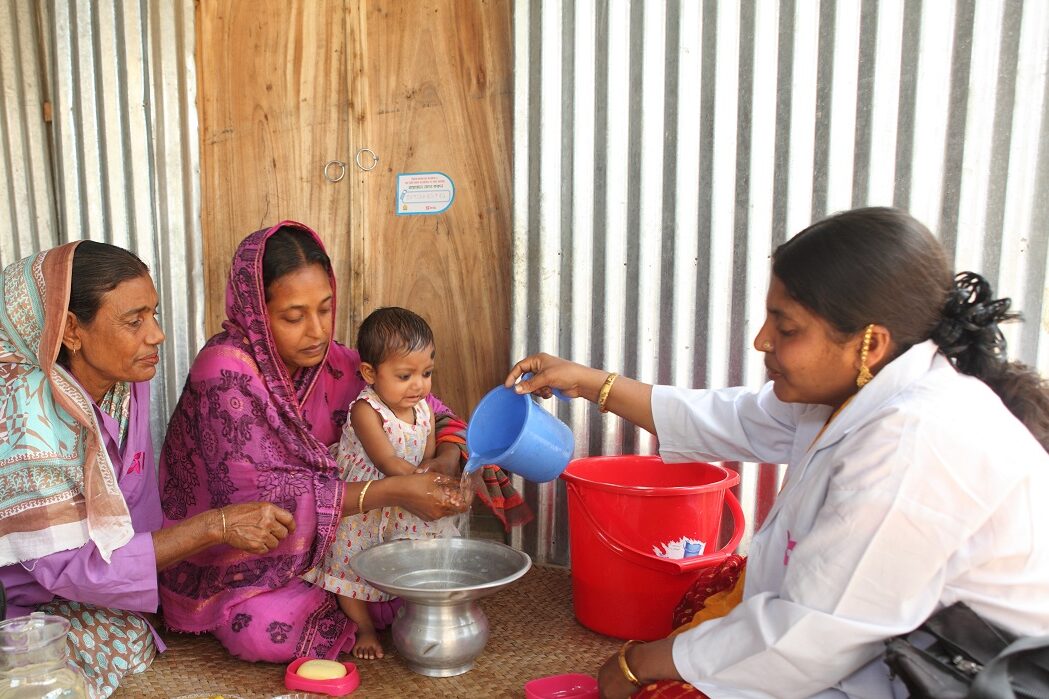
(468,482)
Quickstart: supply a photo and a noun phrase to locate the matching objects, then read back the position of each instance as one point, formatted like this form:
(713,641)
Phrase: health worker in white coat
(917,467)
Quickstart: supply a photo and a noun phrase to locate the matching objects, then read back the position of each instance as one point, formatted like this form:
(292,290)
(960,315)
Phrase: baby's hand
(430,495)
(437,466)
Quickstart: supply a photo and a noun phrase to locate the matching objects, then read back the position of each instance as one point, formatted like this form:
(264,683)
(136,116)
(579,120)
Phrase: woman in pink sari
(264,402)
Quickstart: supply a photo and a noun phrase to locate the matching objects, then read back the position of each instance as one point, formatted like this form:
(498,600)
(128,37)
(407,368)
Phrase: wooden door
(287,85)
(434,92)
(274,109)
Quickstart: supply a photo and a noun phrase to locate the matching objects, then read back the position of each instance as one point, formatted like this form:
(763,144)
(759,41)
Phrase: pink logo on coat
(791,543)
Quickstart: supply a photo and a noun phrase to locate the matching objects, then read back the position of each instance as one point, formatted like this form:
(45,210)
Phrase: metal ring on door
(375,159)
(342,170)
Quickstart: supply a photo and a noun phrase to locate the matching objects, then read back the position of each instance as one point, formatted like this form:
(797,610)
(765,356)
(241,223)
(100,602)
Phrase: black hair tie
(968,332)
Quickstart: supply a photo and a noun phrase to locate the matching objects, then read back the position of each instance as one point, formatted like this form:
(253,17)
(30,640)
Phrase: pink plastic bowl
(570,686)
(333,688)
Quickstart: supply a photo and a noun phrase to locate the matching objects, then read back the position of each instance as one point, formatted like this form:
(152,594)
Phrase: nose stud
(766,346)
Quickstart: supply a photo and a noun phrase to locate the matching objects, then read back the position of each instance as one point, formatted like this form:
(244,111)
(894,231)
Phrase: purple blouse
(129,580)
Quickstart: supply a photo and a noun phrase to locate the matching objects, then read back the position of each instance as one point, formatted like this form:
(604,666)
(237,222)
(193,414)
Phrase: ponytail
(969,335)
(968,330)
(1026,394)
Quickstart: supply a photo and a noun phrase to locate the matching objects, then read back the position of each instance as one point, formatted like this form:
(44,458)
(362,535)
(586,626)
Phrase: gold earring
(865,374)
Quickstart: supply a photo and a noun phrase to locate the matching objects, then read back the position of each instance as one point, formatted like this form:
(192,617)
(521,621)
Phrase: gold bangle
(222,511)
(360,498)
(606,387)
(626,668)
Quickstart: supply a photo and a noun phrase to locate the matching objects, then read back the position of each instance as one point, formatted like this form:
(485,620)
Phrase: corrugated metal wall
(662,149)
(98,139)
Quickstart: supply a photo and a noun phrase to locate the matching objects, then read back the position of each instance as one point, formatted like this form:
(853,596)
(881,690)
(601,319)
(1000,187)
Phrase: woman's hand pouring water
(627,398)
(553,373)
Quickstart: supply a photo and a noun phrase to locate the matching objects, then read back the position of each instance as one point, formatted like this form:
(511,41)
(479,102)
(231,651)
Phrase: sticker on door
(424,193)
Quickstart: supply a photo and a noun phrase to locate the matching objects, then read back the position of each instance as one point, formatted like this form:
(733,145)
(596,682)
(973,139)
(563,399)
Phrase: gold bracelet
(222,511)
(360,498)
(626,668)
(606,387)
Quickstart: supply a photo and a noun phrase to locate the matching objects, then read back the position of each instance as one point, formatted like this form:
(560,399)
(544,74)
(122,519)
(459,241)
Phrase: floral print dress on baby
(362,531)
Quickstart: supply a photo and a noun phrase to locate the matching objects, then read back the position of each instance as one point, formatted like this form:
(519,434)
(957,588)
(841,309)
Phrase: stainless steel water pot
(441,629)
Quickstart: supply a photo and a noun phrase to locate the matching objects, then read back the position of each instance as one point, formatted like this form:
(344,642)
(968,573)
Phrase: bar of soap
(321,670)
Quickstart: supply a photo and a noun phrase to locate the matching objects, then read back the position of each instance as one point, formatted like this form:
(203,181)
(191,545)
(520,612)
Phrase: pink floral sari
(245,430)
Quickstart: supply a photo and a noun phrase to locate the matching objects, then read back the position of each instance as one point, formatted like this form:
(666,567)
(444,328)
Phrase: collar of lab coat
(896,376)
(865,406)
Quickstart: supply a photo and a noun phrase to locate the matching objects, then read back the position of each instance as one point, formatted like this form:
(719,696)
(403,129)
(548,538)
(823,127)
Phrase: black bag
(969,658)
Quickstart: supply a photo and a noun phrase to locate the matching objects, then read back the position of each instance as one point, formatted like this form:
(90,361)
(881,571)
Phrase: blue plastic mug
(510,430)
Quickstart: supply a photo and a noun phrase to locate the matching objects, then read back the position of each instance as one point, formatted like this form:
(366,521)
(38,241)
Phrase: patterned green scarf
(58,489)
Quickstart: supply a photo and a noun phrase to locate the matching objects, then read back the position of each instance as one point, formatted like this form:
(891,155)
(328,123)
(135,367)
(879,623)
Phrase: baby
(389,432)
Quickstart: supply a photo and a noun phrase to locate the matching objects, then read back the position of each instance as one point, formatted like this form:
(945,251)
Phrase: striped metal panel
(28,218)
(664,148)
(119,159)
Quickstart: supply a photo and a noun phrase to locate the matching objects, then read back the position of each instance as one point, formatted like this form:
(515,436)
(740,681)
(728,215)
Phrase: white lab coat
(923,491)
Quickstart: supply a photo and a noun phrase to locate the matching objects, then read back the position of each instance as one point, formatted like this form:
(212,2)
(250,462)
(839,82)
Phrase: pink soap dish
(333,688)
(569,686)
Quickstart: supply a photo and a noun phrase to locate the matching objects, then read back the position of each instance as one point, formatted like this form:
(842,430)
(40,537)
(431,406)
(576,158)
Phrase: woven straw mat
(533,634)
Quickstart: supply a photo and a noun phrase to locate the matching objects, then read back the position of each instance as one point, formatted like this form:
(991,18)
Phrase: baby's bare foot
(368,646)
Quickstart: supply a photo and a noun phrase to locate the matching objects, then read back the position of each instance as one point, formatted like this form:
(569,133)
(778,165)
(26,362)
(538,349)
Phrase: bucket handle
(669,566)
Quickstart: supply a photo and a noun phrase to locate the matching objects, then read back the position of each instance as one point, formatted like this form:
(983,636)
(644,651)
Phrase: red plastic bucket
(619,507)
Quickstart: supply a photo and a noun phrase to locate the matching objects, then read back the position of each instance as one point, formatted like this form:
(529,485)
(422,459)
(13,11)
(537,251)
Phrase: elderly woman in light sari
(80,520)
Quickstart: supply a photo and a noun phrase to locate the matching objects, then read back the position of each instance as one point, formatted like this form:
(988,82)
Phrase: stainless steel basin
(441,629)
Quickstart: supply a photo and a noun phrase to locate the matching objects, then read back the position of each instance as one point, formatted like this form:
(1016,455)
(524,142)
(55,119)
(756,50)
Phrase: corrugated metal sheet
(28,217)
(119,160)
(663,149)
